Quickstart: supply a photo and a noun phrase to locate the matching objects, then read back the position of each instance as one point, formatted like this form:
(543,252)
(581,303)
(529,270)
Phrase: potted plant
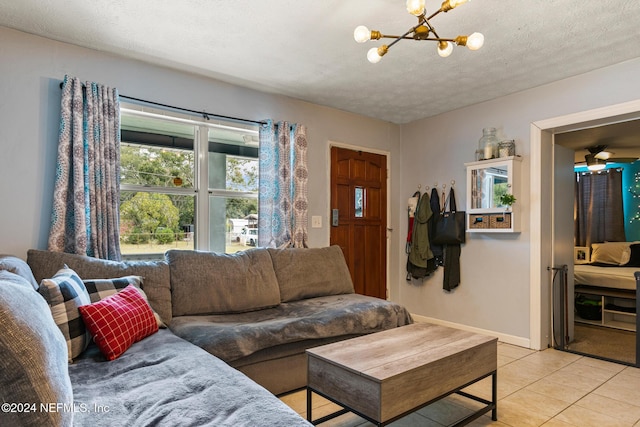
(507,199)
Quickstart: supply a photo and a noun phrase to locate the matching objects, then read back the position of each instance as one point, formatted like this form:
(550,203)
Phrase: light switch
(316,221)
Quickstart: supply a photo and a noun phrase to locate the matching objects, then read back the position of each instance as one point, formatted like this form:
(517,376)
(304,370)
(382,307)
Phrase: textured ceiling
(305,49)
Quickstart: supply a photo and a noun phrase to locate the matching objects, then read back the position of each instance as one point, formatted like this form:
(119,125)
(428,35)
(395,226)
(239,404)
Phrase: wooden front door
(359,194)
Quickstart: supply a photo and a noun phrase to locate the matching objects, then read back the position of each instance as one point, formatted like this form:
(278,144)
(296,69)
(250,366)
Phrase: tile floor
(535,388)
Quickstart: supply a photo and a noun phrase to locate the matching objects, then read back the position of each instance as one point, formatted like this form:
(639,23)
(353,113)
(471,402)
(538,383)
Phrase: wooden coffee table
(386,375)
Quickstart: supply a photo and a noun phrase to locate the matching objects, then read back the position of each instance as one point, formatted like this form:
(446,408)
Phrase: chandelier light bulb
(456,3)
(475,41)
(362,34)
(415,7)
(445,49)
(375,54)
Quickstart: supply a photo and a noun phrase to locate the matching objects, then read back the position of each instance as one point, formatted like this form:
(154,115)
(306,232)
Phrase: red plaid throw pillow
(118,321)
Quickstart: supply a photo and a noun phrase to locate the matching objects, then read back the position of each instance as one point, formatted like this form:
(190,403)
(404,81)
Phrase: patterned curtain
(598,209)
(282,201)
(85,218)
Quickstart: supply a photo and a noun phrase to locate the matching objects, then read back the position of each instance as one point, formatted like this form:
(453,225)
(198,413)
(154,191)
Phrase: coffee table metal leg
(494,396)
(333,415)
(309,417)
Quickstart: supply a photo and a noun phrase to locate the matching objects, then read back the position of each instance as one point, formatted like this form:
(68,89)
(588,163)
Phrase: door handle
(334,217)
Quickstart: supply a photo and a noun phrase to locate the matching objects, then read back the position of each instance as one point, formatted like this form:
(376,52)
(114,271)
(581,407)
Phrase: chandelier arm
(433,14)
(437,39)
(405,37)
(411,30)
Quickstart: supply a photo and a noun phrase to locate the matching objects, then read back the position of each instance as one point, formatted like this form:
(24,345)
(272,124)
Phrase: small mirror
(487,186)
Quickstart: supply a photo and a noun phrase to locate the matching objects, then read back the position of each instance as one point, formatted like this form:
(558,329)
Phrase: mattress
(605,277)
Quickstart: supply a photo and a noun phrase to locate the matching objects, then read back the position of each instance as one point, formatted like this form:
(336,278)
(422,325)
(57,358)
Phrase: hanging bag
(450,229)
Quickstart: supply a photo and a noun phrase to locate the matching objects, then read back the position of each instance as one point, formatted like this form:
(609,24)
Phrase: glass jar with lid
(488,144)
(507,148)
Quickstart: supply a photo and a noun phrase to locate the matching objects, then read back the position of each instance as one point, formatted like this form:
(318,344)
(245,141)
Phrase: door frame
(388,207)
(541,133)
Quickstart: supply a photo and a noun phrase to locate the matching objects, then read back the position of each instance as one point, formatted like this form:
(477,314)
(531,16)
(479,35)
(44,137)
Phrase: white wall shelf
(486,181)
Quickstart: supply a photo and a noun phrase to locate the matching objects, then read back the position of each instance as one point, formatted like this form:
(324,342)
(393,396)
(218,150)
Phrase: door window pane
(359,202)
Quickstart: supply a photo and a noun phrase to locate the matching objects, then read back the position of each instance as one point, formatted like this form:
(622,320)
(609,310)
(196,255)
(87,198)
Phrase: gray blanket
(166,381)
(233,336)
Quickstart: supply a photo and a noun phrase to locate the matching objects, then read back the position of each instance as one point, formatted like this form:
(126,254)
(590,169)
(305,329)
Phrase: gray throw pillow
(8,277)
(34,360)
(311,272)
(18,266)
(215,283)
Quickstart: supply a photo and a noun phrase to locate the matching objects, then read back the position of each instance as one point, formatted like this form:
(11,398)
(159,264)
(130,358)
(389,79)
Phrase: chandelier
(423,31)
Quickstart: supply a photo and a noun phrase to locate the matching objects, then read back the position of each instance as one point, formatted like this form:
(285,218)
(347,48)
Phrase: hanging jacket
(451,278)
(420,262)
(435,208)
(411,210)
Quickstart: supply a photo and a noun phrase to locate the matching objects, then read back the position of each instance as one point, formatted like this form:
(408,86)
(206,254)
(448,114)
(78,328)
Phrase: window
(186,183)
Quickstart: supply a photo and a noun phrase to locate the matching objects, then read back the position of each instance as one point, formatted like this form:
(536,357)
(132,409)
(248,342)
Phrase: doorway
(547,247)
(358,219)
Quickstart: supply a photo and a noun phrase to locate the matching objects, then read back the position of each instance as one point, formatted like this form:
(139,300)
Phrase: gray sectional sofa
(254,312)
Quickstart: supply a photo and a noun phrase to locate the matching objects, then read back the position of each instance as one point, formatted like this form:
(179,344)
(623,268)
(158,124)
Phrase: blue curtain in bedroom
(85,217)
(283,198)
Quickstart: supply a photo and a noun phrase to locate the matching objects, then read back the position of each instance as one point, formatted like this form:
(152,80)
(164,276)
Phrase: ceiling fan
(598,158)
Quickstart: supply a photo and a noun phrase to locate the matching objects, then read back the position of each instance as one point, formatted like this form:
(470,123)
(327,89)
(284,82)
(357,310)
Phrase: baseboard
(505,338)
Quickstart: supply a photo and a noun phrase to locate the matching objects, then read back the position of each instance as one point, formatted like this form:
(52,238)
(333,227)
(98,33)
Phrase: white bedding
(605,277)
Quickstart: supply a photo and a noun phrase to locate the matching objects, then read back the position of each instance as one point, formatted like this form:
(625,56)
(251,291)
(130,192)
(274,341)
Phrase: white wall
(32,68)
(495,291)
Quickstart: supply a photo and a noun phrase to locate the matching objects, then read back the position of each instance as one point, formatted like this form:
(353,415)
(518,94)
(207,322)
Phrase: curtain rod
(204,114)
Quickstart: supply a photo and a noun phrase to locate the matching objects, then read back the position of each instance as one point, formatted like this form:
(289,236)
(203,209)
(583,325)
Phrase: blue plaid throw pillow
(64,293)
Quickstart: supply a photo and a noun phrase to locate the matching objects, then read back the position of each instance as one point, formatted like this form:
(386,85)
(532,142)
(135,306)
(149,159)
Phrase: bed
(605,277)
(610,265)
(609,276)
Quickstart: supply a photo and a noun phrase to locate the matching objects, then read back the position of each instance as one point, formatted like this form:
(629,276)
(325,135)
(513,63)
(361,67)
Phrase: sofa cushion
(208,282)
(118,321)
(65,293)
(99,289)
(34,359)
(233,336)
(18,266)
(166,381)
(155,274)
(311,272)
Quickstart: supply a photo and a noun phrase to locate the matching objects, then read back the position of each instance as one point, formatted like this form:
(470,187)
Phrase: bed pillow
(65,293)
(118,321)
(611,253)
(634,256)
(99,289)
